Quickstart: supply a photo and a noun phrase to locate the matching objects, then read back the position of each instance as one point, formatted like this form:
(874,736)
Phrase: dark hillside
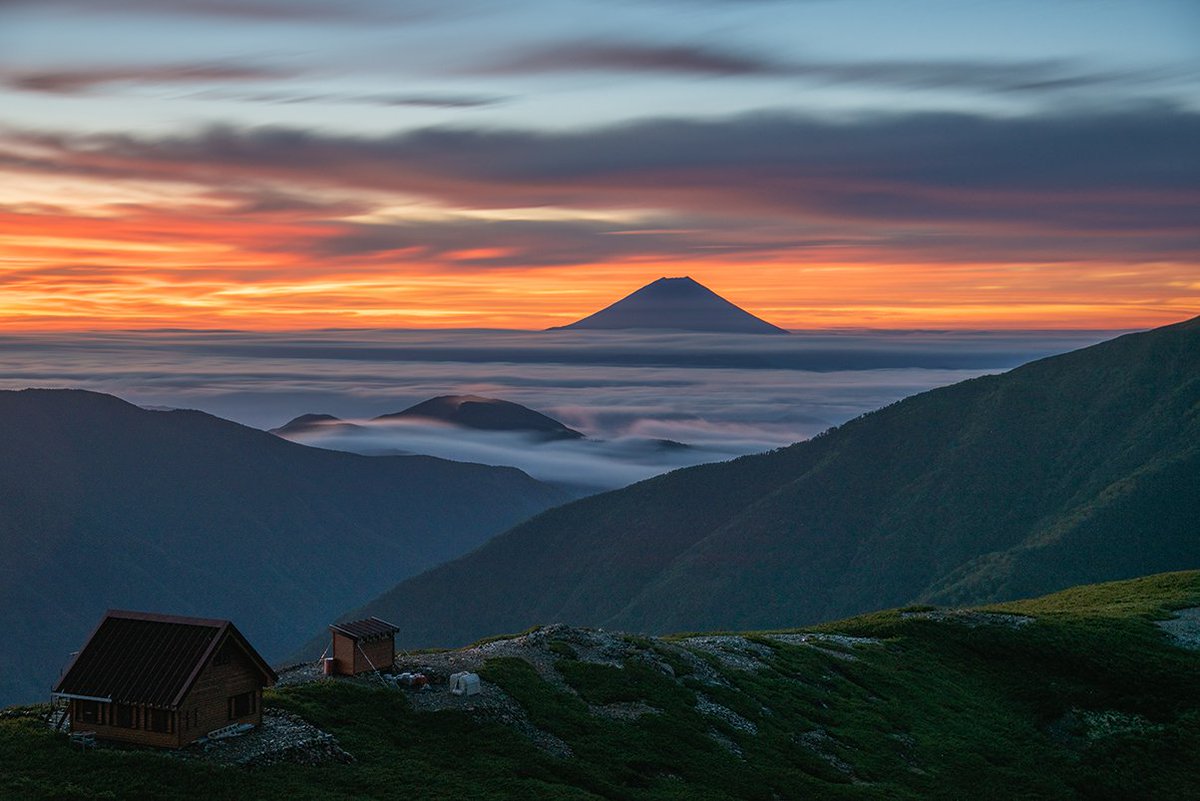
(108,505)
(1080,467)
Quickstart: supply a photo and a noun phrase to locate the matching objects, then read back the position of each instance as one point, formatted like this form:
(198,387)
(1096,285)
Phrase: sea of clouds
(721,395)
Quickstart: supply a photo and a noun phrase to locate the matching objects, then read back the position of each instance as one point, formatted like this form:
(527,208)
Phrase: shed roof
(365,629)
(143,658)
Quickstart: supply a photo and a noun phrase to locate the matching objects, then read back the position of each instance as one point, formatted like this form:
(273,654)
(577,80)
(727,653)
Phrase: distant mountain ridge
(485,414)
(307,423)
(104,504)
(1076,468)
(678,304)
(464,411)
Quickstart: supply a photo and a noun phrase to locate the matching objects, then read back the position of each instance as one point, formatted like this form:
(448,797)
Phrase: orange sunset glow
(198,262)
(163,169)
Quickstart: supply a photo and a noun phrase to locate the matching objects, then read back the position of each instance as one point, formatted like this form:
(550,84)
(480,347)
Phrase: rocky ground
(1184,627)
(282,737)
(287,738)
(970,618)
(544,646)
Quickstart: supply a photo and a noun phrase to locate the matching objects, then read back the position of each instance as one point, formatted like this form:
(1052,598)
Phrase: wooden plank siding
(351,657)
(343,654)
(377,654)
(208,706)
(140,733)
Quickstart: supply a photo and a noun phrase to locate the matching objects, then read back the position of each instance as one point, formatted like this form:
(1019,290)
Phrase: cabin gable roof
(368,629)
(136,657)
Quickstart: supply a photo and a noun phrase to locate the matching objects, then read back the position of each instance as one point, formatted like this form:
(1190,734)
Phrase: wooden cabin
(361,646)
(163,680)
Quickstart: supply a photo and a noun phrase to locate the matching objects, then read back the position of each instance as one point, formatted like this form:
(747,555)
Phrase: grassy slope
(941,710)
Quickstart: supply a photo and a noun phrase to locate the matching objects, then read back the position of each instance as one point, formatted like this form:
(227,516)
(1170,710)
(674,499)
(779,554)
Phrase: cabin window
(89,711)
(126,716)
(241,705)
(160,720)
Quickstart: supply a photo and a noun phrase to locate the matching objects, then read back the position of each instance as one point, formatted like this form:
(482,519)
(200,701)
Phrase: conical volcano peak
(680,304)
(680,284)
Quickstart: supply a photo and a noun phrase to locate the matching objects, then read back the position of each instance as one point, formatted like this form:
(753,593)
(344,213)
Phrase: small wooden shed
(163,680)
(361,646)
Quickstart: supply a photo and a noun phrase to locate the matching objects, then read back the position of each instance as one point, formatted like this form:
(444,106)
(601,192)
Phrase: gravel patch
(706,706)
(821,641)
(625,710)
(731,651)
(303,673)
(1184,628)
(727,743)
(282,737)
(1107,722)
(490,703)
(970,619)
(820,743)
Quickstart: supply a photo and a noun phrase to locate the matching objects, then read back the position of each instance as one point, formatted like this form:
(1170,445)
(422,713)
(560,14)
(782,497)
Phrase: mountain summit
(679,304)
(485,414)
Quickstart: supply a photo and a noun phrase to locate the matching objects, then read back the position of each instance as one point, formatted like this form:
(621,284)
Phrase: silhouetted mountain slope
(1080,467)
(108,505)
(308,423)
(679,304)
(485,414)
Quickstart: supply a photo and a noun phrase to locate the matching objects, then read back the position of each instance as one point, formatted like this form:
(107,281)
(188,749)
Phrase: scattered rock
(970,618)
(513,716)
(624,710)
(820,743)
(701,658)
(727,743)
(706,706)
(1107,722)
(1184,628)
(38,711)
(732,651)
(821,640)
(303,673)
(282,737)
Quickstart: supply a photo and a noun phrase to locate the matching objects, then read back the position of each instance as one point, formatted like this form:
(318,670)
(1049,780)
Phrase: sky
(305,164)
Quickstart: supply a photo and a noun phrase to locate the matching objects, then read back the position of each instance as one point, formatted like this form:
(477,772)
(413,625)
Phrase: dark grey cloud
(81,80)
(1047,75)
(266,11)
(969,186)
(589,56)
(516,243)
(384,99)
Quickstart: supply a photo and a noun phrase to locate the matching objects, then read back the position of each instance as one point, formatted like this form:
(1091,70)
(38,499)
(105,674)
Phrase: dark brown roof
(136,657)
(366,629)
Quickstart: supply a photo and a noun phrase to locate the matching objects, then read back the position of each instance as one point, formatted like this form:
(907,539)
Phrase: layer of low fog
(581,465)
(722,395)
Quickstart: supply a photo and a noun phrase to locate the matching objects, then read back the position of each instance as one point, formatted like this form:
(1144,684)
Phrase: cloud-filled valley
(722,395)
